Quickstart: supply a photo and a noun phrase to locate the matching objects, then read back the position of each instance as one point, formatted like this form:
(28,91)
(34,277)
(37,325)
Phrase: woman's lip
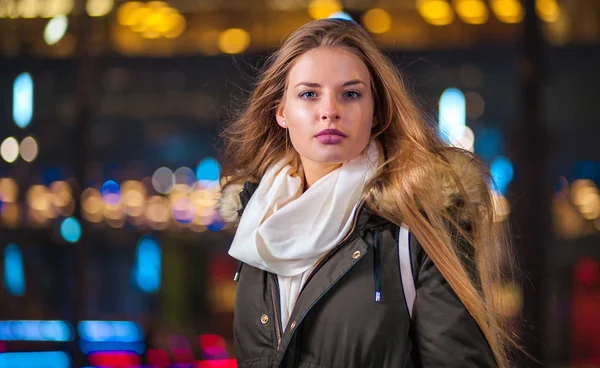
(330,139)
(334,132)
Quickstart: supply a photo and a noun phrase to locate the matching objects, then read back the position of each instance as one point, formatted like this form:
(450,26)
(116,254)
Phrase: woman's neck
(313,171)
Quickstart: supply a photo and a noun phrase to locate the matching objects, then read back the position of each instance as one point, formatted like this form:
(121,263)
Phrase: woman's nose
(330,110)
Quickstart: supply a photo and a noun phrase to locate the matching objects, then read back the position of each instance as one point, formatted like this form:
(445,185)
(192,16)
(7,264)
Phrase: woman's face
(327,106)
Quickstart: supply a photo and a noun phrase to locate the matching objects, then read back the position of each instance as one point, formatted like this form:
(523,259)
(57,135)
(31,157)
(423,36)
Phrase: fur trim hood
(468,169)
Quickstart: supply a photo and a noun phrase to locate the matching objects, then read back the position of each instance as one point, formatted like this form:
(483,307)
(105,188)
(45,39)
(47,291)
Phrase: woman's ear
(280,116)
(374,122)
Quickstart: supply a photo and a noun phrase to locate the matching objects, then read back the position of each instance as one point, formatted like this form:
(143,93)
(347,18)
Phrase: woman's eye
(351,94)
(308,95)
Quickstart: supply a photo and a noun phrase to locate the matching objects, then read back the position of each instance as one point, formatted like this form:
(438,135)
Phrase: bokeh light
(8,190)
(320,9)
(38,199)
(110,192)
(435,12)
(99,8)
(502,172)
(152,20)
(341,15)
(147,267)
(234,41)
(548,10)
(92,205)
(14,275)
(56,29)
(70,230)
(53,8)
(452,113)
(377,21)
(586,197)
(183,210)
(208,172)
(9,149)
(472,11)
(462,137)
(28,149)
(508,11)
(23,100)
(10,215)
(157,213)
(185,179)
(163,180)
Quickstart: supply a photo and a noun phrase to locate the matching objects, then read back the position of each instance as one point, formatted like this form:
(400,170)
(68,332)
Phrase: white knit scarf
(285,231)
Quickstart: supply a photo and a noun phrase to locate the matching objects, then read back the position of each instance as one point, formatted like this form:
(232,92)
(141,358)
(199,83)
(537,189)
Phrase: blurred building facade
(113,252)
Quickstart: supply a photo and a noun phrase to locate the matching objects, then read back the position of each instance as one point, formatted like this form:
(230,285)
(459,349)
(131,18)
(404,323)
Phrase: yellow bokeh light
(114,211)
(320,9)
(472,11)
(547,10)
(377,21)
(134,201)
(157,213)
(38,198)
(57,7)
(30,8)
(234,41)
(61,193)
(435,12)
(8,190)
(126,14)
(176,24)
(99,8)
(10,215)
(508,11)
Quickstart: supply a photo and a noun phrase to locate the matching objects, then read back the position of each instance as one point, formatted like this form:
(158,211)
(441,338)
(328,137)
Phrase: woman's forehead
(328,66)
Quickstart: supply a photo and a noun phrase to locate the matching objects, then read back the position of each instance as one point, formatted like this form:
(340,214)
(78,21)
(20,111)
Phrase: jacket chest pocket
(254,321)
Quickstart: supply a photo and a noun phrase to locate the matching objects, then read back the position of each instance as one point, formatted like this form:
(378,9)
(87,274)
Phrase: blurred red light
(587,271)
(158,357)
(211,341)
(114,359)
(219,363)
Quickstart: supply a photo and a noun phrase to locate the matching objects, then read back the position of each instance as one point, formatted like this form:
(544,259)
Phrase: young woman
(351,208)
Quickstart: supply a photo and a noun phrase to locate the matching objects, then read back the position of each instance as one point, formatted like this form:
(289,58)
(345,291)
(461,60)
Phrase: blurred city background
(112,252)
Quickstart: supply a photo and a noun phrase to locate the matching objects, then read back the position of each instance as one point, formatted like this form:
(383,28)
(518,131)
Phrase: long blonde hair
(421,182)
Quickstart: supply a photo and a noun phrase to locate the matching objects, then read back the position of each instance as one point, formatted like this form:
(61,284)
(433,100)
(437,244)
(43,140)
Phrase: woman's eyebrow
(316,85)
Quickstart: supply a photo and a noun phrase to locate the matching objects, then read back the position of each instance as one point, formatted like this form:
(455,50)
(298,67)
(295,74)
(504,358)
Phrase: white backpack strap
(406,271)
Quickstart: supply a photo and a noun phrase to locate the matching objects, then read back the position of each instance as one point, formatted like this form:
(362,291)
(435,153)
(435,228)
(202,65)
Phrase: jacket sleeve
(444,332)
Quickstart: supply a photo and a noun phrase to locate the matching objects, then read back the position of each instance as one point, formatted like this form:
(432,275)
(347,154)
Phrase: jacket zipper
(276,313)
(315,302)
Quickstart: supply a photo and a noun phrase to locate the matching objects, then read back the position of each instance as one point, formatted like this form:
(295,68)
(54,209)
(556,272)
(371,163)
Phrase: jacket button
(293,325)
(356,254)
(264,319)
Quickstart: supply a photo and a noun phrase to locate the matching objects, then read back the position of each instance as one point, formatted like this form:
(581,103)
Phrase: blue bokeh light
(37,359)
(14,275)
(23,100)
(452,113)
(110,331)
(147,268)
(110,192)
(57,331)
(341,15)
(208,172)
(70,230)
(502,173)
